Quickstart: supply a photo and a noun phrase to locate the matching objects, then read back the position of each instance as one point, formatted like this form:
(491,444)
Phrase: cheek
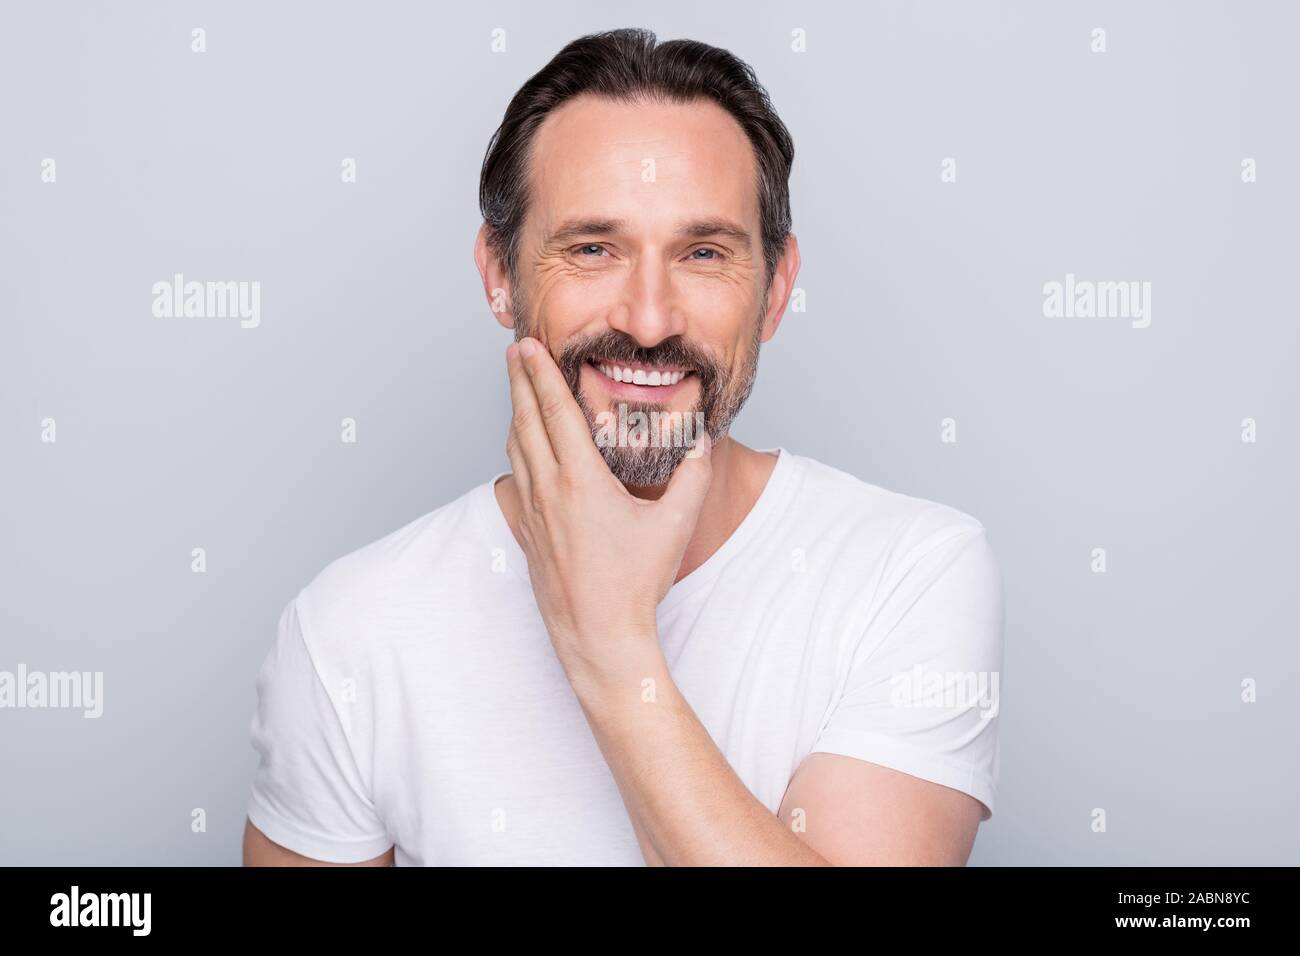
(561,301)
(726,301)
(727,329)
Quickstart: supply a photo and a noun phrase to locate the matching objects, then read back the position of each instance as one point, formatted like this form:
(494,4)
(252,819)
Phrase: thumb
(689,483)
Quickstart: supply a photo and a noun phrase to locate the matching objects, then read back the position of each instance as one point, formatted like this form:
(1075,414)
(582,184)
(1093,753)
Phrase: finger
(565,423)
(530,430)
(518,466)
(685,493)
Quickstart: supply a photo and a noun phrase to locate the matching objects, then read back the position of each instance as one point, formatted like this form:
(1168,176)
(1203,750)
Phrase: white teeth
(640,376)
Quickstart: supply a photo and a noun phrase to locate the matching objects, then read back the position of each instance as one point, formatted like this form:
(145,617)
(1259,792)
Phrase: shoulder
(853,510)
(363,593)
(924,577)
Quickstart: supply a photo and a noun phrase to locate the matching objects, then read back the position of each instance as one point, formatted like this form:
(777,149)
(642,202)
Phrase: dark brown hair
(628,65)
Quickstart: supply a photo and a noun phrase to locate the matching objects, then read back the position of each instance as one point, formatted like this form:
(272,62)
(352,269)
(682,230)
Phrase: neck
(739,476)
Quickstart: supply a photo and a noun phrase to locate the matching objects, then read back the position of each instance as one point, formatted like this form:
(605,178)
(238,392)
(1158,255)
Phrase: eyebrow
(695,229)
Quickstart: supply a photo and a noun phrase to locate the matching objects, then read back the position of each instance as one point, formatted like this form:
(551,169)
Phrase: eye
(713,255)
(583,250)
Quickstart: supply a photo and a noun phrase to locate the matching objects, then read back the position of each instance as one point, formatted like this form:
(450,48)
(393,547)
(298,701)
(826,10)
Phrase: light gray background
(1121,690)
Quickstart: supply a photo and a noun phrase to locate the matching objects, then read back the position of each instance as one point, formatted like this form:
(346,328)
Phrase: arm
(857,813)
(259,850)
(690,808)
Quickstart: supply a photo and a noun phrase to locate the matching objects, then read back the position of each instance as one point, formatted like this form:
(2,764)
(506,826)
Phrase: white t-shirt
(412,698)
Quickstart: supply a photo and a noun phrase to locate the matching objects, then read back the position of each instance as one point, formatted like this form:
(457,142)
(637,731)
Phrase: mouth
(637,381)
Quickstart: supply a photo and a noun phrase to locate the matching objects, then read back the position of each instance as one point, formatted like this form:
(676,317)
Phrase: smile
(640,374)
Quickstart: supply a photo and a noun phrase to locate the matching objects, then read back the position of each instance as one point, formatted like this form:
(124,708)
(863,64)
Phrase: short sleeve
(921,688)
(307,793)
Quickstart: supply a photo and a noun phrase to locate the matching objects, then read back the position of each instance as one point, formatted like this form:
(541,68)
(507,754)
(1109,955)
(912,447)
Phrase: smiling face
(641,268)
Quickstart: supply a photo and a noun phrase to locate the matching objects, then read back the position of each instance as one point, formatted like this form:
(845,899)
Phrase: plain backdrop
(1121,690)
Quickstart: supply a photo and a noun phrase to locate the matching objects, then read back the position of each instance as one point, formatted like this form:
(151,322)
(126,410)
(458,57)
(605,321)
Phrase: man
(647,643)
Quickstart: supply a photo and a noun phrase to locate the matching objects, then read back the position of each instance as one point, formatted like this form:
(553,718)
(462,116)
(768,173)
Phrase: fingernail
(512,350)
(527,347)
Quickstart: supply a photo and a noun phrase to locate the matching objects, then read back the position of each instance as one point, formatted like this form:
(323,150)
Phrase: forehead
(648,162)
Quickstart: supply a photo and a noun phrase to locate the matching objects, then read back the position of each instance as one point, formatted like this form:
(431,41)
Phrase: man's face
(641,269)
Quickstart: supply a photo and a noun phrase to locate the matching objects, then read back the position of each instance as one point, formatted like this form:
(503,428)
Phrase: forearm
(682,795)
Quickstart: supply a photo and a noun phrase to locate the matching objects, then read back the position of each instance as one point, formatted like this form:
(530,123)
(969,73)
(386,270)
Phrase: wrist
(615,664)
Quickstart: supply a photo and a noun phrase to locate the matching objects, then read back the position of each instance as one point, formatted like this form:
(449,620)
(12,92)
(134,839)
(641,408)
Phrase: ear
(496,286)
(778,294)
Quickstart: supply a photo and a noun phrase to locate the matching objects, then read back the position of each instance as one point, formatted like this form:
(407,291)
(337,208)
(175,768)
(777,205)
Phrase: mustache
(614,346)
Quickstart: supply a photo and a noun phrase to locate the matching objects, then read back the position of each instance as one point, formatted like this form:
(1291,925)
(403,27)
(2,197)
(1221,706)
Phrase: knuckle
(551,408)
(522,419)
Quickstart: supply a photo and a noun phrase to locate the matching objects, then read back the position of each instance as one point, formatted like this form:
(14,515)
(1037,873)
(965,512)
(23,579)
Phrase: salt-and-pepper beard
(722,395)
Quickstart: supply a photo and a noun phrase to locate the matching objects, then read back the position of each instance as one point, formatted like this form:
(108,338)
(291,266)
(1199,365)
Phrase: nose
(648,311)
